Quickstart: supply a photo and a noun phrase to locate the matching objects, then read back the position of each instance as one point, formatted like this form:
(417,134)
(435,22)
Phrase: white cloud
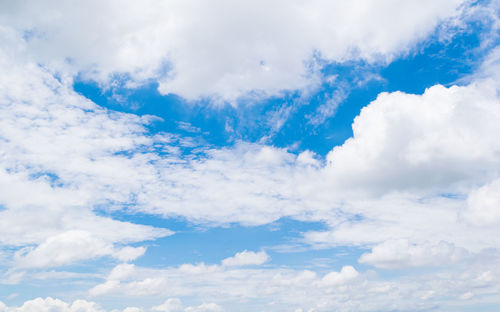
(483,205)
(132,309)
(346,275)
(395,254)
(69,247)
(170,305)
(430,141)
(175,305)
(412,161)
(218,48)
(285,289)
(55,305)
(246,258)
(129,253)
(104,288)
(205,307)
(225,284)
(64,248)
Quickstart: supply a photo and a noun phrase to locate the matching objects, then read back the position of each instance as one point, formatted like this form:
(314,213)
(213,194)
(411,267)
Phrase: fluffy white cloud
(54,305)
(218,48)
(285,289)
(346,275)
(205,307)
(175,305)
(246,258)
(483,204)
(129,253)
(170,305)
(64,248)
(430,141)
(69,247)
(400,254)
(412,161)
(224,284)
(132,309)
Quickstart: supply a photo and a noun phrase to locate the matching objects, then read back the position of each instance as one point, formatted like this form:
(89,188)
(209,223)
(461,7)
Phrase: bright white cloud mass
(104,208)
(221,48)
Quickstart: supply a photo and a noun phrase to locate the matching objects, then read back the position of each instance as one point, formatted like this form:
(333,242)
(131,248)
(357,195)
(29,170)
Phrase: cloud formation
(393,254)
(219,48)
(281,288)
(407,152)
(415,186)
(246,258)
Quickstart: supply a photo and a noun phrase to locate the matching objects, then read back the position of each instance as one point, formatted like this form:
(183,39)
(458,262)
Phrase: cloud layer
(416,186)
(409,154)
(219,48)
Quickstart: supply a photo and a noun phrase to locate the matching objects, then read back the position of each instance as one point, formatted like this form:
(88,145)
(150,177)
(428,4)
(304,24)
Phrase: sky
(285,155)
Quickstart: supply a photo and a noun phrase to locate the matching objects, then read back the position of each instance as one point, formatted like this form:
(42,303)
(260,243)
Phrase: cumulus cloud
(205,307)
(346,275)
(218,48)
(411,142)
(226,283)
(54,305)
(71,246)
(64,248)
(132,309)
(246,258)
(395,254)
(414,156)
(170,305)
(288,289)
(483,204)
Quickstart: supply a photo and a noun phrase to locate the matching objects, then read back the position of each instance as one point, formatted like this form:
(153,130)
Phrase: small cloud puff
(246,258)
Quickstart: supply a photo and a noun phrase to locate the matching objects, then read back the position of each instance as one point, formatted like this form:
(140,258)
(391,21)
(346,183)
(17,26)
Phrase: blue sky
(249,156)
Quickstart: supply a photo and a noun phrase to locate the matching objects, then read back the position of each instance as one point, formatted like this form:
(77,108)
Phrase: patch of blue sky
(52,178)
(194,243)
